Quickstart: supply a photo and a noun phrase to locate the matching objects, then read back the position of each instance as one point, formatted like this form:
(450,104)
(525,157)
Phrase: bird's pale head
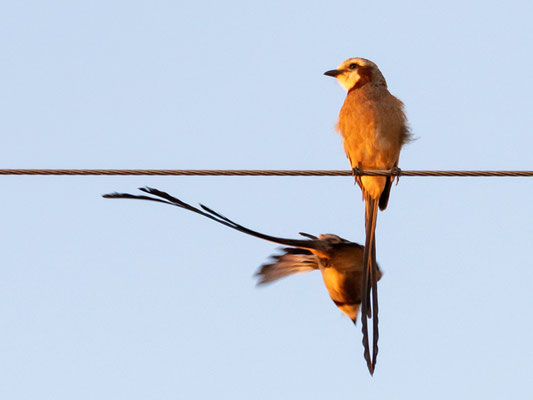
(357,72)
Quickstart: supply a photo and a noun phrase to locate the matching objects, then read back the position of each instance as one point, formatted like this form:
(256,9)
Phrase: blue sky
(121,299)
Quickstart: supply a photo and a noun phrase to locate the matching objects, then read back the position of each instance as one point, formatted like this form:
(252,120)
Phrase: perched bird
(340,261)
(374,128)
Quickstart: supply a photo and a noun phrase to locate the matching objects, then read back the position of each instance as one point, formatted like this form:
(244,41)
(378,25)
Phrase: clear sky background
(107,299)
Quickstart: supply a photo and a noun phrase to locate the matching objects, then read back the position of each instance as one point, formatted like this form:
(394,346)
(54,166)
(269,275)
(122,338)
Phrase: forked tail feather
(369,306)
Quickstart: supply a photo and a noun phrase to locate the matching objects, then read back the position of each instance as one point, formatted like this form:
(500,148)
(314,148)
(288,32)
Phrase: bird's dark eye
(353,66)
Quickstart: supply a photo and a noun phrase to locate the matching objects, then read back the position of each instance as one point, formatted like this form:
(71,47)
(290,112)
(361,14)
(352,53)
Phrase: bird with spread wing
(339,260)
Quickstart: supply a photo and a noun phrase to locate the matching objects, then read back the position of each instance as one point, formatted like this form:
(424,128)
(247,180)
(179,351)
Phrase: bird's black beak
(334,73)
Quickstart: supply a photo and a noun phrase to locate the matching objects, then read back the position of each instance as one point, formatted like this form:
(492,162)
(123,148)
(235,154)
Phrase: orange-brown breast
(342,273)
(373,126)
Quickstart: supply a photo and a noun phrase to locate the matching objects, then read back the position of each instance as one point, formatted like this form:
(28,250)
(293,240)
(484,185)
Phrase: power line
(252,172)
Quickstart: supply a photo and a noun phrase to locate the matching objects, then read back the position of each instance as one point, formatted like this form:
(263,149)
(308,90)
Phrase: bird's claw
(396,172)
(357,174)
(356,171)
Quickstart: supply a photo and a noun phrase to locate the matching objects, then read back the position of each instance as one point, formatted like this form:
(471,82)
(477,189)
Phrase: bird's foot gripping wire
(357,172)
(396,172)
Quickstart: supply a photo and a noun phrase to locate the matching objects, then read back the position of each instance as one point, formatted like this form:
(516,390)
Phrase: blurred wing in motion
(292,261)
